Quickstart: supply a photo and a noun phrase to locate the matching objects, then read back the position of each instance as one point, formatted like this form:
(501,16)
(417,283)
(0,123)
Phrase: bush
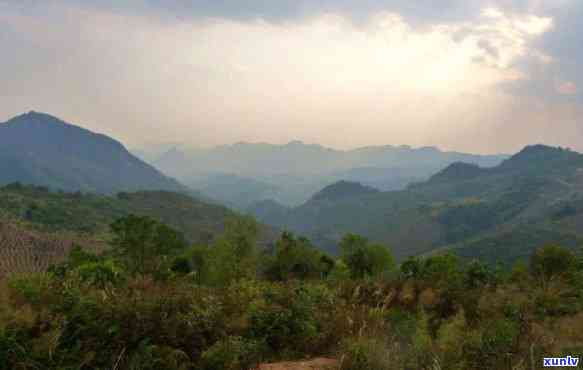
(232,353)
(32,288)
(285,321)
(551,261)
(367,354)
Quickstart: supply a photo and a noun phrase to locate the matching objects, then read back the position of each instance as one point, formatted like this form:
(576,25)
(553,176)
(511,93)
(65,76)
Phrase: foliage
(144,244)
(365,259)
(232,353)
(551,261)
(231,306)
(298,258)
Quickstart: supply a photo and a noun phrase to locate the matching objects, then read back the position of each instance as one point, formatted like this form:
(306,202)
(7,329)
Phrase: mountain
(36,148)
(296,170)
(498,213)
(39,227)
(234,191)
(342,190)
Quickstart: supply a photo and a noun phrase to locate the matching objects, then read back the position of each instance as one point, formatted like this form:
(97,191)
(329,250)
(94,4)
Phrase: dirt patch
(315,364)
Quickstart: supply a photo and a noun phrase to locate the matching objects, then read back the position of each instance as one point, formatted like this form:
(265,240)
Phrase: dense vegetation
(151,300)
(39,227)
(501,213)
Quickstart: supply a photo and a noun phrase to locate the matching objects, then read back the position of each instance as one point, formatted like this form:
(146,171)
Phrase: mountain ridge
(519,205)
(41,149)
(298,170)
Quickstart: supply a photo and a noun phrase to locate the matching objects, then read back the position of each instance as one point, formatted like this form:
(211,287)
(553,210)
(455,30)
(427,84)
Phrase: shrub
(367,354)
(32,288)
(551,261)
(285,321)
(232,353)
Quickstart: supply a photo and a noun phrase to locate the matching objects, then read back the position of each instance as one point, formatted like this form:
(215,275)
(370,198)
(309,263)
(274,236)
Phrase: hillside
(234,191)
(500,213)
(291,173)
(342,190)
(38,227)
(40,149)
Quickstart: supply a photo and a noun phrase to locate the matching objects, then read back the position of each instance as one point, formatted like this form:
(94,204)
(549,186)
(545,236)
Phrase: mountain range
(500,213)
(417,201)
(244,173)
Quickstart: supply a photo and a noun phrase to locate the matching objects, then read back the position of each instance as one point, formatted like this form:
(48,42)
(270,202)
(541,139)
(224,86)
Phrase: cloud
(388,72)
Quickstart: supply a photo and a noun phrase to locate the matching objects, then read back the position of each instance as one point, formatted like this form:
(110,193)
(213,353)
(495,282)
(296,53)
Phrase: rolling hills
(39,149)
(498,213)
(38,227)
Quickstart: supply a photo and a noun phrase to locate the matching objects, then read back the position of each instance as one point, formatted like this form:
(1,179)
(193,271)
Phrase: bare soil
(315,364)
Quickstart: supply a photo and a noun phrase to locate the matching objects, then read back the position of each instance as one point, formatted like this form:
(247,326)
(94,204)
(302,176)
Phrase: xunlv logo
(561,361)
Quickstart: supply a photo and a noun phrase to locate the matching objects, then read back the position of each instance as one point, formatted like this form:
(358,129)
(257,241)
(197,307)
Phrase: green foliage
(285,321)
(365,259)
(144,244)
(100,274)
(298,259)
(412,267)
(478,274)
(232,257)
(340,272)
(351,244)
(551,261)
(232,353)
(181,265)
(30,287)
(215,312)
(366,354)
(440,268)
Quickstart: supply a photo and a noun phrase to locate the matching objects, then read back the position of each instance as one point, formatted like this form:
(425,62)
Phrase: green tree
(234,256)
(551,261)
(444,267)
(196,261)
(478,274)
(382,259)
(298,258)
(351,243)
(365,259)
(144,244)
(412,267)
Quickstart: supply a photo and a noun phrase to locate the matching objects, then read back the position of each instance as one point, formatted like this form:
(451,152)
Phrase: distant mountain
(40,149)
(342,190)
(297,170)
(499,213)
(458,171)
(234,191)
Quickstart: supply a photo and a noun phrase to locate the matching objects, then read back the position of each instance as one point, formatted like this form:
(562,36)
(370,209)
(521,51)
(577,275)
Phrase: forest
(152,300)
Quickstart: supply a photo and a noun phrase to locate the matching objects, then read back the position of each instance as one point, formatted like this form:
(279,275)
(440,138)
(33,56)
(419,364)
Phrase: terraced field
(24,250)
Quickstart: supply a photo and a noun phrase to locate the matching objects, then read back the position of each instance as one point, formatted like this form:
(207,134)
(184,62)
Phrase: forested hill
(499,213)
(38,227)
(341,190)
(40,149)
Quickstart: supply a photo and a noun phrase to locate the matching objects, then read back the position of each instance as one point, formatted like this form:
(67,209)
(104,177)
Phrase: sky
(482,76)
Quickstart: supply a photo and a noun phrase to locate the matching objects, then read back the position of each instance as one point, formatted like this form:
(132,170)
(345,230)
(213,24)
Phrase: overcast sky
(471,75)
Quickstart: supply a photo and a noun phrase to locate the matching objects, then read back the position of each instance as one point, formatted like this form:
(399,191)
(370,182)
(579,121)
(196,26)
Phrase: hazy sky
(469,75)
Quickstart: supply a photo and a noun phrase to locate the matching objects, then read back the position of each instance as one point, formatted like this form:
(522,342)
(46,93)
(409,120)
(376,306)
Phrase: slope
(40,149)
(38,226)
(526,201)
